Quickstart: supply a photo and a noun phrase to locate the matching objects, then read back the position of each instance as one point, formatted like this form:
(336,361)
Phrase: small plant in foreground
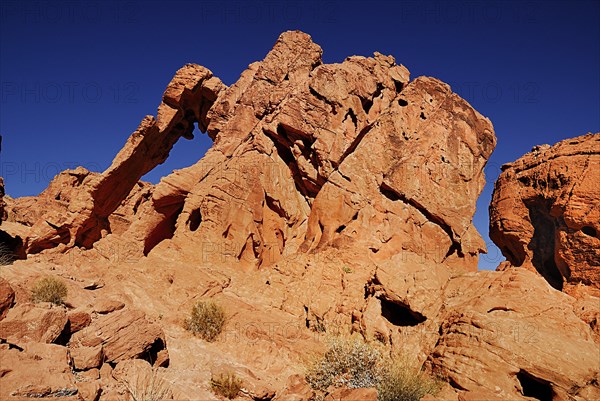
(206,320)
(148,387)
(354,363)
(227,385)
(49,289)
(400,381)
(349,362)
(6,256)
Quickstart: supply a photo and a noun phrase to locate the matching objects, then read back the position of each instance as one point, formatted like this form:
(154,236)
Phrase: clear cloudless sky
(76,77)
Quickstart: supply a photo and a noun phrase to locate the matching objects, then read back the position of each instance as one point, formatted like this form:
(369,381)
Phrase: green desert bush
(49,289)
(355,364)
(227,385)
(206,320)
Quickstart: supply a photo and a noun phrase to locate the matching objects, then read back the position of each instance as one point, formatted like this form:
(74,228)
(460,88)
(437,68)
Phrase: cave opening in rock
(587,230)
(542,242)
(64,336)
(194,220)
(534,387)
(11,248)
(151,355)
(400,315)
(165,229)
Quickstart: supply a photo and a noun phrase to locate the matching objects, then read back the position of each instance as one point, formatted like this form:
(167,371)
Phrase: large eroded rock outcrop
(545,212)
(308,155)
(336,199)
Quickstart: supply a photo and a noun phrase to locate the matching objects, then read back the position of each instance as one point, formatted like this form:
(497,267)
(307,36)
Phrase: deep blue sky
(77,77)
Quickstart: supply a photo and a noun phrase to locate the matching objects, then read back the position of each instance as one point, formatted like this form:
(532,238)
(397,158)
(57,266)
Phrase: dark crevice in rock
(398,86)
(388,193)
(350,113)
(535,387)
(455,385)
(355,143)
(334,106)
(282,144)
(542,243)
(275,206)
(500,308)
(65,335)
(590,231)
(11,248)
(151,355)
(399,314)
(165,229)
(402,102)
(194,220)
(367,103)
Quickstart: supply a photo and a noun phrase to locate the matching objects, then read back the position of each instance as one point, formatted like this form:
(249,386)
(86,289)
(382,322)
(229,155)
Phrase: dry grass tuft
(206,320)
(148,387)
(227,385)
(49,289)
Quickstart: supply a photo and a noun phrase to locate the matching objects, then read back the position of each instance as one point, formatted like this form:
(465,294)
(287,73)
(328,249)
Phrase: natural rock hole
(400,315)
(64,336)
(388,192)
(591,231)
(151,355)
(194,220)
(165,229)
(534,387)
(542,243)
(11,248)
(340,228)
(402,102)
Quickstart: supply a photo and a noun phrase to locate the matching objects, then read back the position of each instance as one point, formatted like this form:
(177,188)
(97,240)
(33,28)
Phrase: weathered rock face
(544,213)
(7,297)
(308,155)
(336,199)
(500,336)
(125,334)
(27,322)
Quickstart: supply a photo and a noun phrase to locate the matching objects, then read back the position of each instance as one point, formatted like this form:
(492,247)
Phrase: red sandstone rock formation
(545,213)
(336,199)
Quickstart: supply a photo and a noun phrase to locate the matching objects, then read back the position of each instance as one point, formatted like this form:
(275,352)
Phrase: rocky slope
(336,199)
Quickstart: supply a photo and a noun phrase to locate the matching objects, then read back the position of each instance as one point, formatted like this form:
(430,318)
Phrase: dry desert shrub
(206,320)
(401,381)
(354,363)
(6,256)
(148,387)
(49,289)
(350,362)
(227,385)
